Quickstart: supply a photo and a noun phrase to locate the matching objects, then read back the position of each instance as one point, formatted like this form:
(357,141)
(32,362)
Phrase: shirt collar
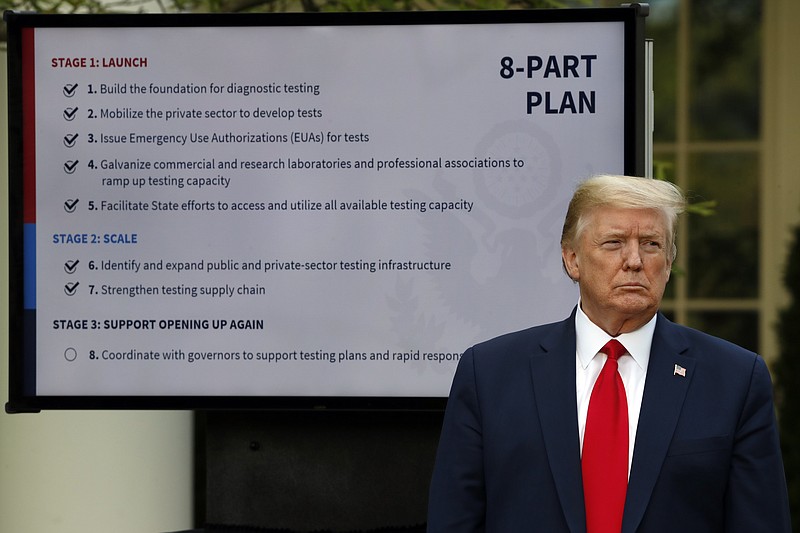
(590,339)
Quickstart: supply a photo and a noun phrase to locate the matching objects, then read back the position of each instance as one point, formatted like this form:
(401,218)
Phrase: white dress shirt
(633,369)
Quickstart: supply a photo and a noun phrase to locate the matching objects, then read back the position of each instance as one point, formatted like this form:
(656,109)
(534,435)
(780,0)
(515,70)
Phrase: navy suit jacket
(706,456)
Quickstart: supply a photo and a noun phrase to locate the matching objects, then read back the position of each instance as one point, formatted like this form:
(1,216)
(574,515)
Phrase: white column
(780,166)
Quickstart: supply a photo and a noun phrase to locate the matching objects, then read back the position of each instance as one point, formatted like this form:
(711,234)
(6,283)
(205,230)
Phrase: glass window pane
(664,168)
(725,69)
(723,247)
(738,327)
(662,27)
(664,165)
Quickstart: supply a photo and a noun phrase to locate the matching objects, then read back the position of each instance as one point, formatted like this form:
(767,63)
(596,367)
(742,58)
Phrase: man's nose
(632,259)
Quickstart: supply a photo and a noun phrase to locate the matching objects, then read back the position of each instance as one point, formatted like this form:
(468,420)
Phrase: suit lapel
(553,376)
(663,398)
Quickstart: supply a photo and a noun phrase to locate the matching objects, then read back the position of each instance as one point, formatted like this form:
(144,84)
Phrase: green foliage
(787,380)
(705,209)
(270,6)
(661,171)
(72,6)
(249,6)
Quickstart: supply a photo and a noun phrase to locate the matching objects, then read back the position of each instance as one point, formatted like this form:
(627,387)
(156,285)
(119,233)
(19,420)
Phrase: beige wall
(86,472)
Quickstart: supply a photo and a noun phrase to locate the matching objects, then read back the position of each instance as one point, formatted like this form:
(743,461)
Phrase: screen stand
(315,471)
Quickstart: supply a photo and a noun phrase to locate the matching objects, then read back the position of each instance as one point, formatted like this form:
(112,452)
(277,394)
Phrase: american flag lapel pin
(679,371)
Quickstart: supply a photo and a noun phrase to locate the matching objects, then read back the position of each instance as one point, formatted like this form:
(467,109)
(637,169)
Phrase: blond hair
(626,192)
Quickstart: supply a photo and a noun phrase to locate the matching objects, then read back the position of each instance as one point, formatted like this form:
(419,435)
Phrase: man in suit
(697,449)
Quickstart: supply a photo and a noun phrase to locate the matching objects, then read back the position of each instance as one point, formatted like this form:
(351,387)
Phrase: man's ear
(569,259)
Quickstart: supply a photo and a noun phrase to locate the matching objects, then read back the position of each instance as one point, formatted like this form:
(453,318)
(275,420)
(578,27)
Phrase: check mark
(69,140)
(71,288)
(69,90)
(71,266)
(70,205)
(70,113)
(70,166)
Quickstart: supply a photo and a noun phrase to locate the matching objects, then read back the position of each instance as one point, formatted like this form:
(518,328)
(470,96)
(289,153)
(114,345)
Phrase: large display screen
(297,210)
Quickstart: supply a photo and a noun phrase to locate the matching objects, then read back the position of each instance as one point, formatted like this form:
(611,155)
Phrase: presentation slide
(302,211)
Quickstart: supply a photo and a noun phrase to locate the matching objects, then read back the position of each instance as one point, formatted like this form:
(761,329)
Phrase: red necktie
(605,447)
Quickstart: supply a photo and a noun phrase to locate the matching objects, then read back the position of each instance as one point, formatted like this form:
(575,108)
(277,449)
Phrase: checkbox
(70,113)
(71,266)
(70,89)
(70,354)
(71,288)
(69,140)
(70,205)
(70,166)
